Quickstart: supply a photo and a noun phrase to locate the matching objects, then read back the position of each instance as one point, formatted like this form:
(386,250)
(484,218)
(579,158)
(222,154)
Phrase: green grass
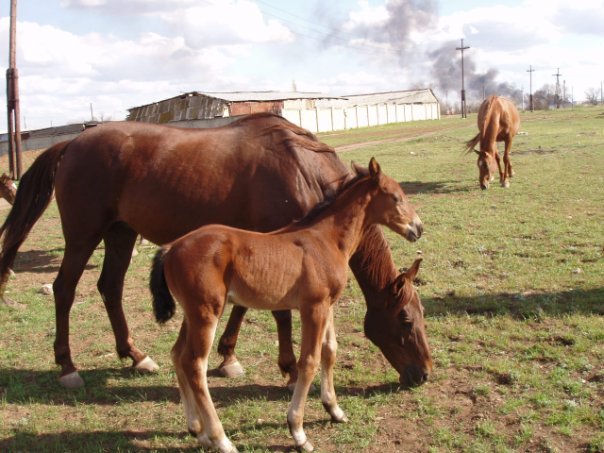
(514,297)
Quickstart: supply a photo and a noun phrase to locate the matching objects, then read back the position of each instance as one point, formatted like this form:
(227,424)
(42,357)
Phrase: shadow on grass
(19,386)
(527,305)
(41,261)
(438,187)
(92,441)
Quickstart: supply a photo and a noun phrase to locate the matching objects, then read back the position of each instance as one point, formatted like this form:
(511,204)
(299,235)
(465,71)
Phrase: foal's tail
(34,195)
(163,302)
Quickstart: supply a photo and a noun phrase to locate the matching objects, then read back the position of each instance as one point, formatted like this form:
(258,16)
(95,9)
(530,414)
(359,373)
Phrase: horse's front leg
(509,173)
(498,160)
(314,318)
(119,242)
(328,360)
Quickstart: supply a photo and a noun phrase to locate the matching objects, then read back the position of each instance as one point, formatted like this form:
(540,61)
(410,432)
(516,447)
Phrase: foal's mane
(329,200)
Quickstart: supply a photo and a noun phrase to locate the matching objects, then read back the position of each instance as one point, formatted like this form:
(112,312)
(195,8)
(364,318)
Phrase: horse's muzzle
(413,376)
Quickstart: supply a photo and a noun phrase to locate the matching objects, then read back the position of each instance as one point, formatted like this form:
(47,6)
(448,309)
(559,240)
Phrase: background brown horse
(498,121)
(119,179)
(301,266)
(8,190)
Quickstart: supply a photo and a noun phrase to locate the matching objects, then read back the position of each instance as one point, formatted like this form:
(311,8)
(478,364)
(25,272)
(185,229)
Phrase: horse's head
(398,329)
(390,205)
(8,190)
(486,165)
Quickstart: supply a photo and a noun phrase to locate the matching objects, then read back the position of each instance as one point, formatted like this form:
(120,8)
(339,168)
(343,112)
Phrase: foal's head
(486,165)
(398,329)
(390,206)
(8,190)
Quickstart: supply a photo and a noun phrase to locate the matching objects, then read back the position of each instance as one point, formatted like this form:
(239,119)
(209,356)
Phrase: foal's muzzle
(415,230)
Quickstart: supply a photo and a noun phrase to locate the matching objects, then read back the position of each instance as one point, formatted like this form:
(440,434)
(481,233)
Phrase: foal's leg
(72,266)
(119,242)
(201,328)
(498,160)
(313,320)
(328,360)
(194,423)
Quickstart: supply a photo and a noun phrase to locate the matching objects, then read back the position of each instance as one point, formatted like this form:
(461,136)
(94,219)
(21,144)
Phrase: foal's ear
(374,167)
(412,272)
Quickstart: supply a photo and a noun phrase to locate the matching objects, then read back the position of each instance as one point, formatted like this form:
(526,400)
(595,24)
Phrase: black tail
(34,195)
(163,302)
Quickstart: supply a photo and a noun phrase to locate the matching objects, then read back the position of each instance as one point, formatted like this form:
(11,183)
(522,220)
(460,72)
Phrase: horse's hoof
(505,184)
(11,303)
(11,273)
(71,380)
(232,370)
(147,365)
(306,446)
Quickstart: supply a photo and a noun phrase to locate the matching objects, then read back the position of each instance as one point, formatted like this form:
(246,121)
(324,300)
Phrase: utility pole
(12,99)
(464,113)
(557,76)
(530,70)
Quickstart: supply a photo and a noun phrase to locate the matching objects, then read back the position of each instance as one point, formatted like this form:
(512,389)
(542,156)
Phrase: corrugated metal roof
(259,96)
(423,96)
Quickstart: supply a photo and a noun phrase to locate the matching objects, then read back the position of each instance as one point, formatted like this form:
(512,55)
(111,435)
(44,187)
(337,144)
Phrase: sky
(79,59)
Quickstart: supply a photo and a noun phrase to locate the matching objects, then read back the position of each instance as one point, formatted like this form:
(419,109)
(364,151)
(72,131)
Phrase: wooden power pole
(12,98)
(464,111)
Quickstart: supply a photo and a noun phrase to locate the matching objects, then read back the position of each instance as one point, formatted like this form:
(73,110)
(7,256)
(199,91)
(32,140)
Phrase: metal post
(464,113)
(12,99)
(530,70)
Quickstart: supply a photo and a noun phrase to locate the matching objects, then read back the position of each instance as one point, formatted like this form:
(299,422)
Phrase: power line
(464,113)
(557,75)
(530,70)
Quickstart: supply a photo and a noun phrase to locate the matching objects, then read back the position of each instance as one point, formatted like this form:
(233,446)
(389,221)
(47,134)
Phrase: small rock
(577,270)
(46,289)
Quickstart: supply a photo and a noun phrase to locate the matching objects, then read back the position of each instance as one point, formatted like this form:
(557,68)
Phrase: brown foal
(302,266)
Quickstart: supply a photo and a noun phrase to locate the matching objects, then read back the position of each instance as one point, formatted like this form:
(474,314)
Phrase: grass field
(512,284)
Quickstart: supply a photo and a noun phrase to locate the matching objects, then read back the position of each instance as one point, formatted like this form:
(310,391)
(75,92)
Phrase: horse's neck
(372,266)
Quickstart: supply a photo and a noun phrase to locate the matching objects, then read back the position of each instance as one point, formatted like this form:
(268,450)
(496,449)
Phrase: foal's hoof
(231,370)
(147,365)
(71,380)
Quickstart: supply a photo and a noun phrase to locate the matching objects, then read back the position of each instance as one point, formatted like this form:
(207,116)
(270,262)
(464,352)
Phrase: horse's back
(165,181)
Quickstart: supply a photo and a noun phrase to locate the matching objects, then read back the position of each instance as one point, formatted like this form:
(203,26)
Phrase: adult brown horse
(119,179)
(302,266)
(498,121)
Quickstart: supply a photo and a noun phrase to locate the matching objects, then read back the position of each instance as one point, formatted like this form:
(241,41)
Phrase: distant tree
(592,95)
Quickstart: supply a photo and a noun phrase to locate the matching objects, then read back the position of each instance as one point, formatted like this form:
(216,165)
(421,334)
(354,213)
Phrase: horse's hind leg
(230,366)
(72,266)
(287,358)
(119,242)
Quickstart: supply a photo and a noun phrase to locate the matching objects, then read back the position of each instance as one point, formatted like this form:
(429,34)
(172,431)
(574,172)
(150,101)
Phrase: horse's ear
(476,151)
(374,167)
(358,170)
(412,272)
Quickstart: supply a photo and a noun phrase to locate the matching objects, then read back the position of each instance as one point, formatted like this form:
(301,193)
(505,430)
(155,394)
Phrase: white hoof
(71,380)
(147,365)
(306,446)
(222,446)
(232,370)
(506,184)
